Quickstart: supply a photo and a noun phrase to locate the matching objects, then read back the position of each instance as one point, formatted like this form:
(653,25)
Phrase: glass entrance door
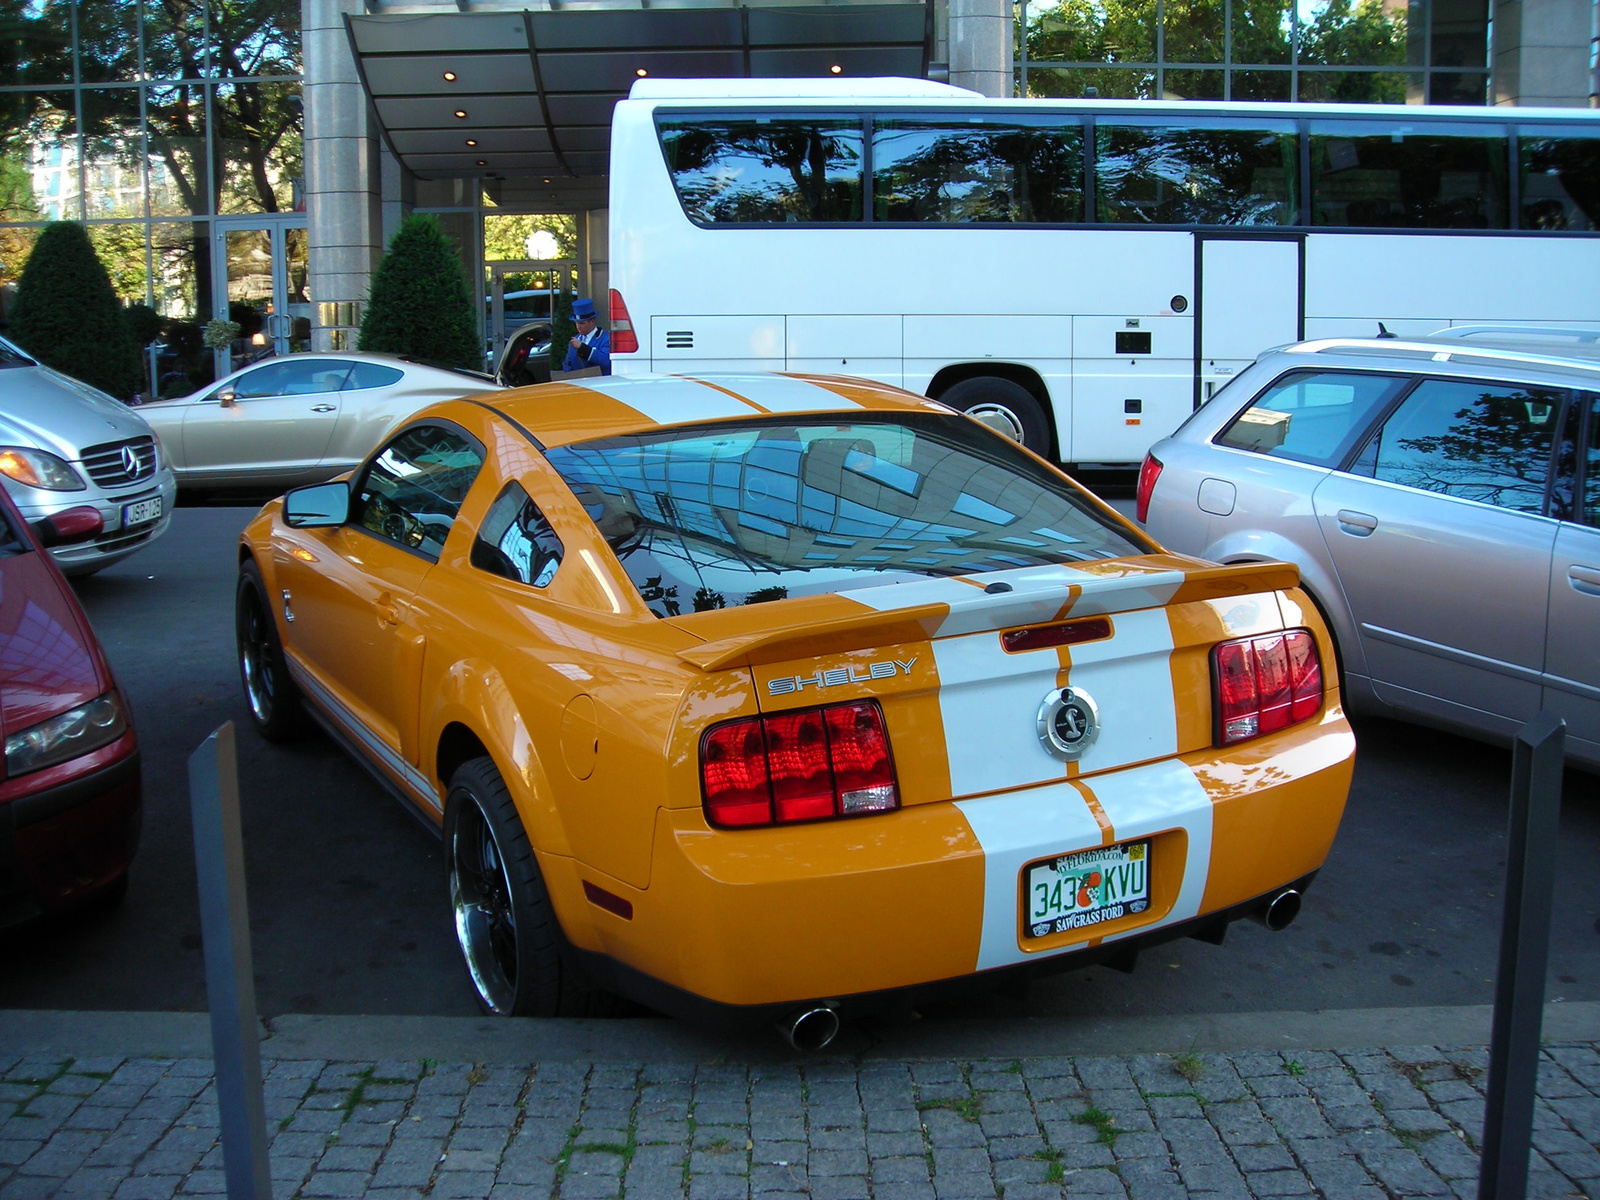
(259,265)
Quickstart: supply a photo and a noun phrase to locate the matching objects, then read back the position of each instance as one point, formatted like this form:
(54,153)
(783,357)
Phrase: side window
(959,172)
(1408,175)
(1591,476)
(765,170)
(1560,179)
(1478,441)
(410,493)
(1313,418)
(515,540)
(1230,174)
(371,375)
(294,377)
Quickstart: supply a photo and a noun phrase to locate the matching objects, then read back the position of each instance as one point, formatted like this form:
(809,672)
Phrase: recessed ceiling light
(483,162)
(450,76)
(472,141)
(462,113)
(547,181)
(641,72)
(836,69)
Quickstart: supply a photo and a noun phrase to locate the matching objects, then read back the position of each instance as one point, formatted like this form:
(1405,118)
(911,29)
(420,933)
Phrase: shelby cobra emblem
(1068,723)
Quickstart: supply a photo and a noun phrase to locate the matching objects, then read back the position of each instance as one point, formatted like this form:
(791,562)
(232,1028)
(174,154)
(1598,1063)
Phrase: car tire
(1006,407)
(269,693)
(516,956)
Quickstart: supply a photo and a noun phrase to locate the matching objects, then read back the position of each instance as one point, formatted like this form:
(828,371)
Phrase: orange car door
(349,588)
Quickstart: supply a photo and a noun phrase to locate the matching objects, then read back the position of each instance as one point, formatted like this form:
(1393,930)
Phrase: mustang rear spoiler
(932,608)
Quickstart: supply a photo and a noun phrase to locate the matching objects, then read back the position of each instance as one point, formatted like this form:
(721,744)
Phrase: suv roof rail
(1515,332)
(1444,349)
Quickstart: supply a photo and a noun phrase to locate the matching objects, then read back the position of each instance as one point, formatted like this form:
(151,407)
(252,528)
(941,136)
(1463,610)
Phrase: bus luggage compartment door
(1250,299)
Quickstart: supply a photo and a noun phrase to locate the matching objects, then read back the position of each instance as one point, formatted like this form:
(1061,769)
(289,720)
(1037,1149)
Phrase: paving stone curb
(1360,1124)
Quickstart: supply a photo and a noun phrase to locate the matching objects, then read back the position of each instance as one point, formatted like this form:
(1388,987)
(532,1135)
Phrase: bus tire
(1005,407)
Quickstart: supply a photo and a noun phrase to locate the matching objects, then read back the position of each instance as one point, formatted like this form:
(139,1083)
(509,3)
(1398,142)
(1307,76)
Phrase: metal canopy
(528,94)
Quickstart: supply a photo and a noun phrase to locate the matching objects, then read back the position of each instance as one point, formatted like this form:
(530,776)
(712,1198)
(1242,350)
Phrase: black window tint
(371,375)
(411,492)
(1484,442)
(1402,175)
(975,171)
(1591,470)
(515,540)
(1560,179)
(740,514)
(294,377)
(1146,173)
(1312,418)
(765,170)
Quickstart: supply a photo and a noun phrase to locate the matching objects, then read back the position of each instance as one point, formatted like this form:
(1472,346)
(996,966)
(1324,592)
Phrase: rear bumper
(769,918)
(61,846)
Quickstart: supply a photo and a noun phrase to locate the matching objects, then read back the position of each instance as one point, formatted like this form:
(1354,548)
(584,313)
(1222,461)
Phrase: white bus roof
(884,87)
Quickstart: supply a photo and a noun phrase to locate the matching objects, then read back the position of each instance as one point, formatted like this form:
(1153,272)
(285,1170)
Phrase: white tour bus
(1078,273)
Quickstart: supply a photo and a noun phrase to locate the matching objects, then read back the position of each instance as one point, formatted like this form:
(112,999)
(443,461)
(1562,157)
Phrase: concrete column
(598,268)
(344,211)
(980,46)
(1541,52)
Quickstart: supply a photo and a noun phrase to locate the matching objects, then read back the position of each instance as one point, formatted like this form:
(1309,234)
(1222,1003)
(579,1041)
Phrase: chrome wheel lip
(255,660)
(999,418)
(480,920)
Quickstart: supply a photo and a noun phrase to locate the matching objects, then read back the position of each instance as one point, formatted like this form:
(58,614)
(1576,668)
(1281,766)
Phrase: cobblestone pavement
(1357,1125)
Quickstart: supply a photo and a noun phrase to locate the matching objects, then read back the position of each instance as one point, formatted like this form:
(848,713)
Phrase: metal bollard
(230,978)
(1538,756)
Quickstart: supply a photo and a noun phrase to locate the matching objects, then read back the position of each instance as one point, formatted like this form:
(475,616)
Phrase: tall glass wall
(147,119)
(1337,51)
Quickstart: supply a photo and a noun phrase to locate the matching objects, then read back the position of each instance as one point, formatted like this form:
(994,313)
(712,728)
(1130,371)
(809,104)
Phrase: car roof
(1519,351)
(607,406)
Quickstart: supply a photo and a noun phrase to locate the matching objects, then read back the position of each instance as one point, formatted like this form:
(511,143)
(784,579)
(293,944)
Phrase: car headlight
(76,731)
(39,469)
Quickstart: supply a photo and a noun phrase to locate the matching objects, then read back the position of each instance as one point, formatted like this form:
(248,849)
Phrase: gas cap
(1216,497)
(580,736)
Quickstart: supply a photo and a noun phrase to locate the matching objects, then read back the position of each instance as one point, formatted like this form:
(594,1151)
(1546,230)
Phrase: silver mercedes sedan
(297,419)
(1442,499)
(72,455)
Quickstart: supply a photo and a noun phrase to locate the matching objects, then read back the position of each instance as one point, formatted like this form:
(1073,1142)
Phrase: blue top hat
(583,310)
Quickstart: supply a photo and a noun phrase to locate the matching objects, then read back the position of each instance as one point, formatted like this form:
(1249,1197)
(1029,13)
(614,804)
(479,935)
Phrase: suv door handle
(322,408)
(1584,579)
(1357,524)
(388,613)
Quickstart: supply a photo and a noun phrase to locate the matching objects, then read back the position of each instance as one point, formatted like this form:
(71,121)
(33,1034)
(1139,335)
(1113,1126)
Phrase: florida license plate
(1088,888)
(141,512)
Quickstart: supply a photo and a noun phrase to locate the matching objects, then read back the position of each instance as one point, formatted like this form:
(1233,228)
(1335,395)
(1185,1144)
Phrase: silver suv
(1441,496)
(72,453)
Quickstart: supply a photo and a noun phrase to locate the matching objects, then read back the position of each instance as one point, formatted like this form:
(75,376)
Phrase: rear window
(706,518)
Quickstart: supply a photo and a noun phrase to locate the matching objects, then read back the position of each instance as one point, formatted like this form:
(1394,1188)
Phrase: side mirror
(69,526)
(227,398)
(322,505)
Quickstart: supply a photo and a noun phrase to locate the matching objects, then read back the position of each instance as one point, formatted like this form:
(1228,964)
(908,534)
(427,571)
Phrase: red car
(70,798)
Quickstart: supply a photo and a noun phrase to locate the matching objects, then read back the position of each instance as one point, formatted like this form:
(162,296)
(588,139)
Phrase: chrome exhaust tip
(1279,912)
(810,1029)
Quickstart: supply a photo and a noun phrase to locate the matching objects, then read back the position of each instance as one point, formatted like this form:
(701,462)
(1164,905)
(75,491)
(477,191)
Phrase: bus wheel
(1003,406)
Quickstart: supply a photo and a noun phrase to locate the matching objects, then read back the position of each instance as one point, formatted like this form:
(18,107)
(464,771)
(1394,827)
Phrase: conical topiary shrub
(67,316)
(419,304)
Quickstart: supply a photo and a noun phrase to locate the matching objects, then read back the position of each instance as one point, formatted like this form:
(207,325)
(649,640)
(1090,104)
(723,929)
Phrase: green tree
(67,315)
(419,303)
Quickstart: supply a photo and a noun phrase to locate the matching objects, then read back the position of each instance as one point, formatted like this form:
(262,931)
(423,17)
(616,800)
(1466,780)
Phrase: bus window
(1234,173)
(756,170)
(1405,175)
(1560,179)
(967,171)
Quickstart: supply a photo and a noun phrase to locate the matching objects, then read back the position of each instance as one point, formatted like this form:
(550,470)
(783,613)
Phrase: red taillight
(798,766)
(623,338)
(1149,472)
(1263,684)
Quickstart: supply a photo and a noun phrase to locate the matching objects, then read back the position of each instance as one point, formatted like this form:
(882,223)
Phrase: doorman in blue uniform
(592,346)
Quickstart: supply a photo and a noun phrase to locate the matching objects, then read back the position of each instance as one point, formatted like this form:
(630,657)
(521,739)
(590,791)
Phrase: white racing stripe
(668,401)
(779,393)
(1129,678)
(989,701)
(1015,829)
(1022,827)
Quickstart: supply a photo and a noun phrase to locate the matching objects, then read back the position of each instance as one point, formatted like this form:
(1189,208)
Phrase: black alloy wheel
(268,690)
